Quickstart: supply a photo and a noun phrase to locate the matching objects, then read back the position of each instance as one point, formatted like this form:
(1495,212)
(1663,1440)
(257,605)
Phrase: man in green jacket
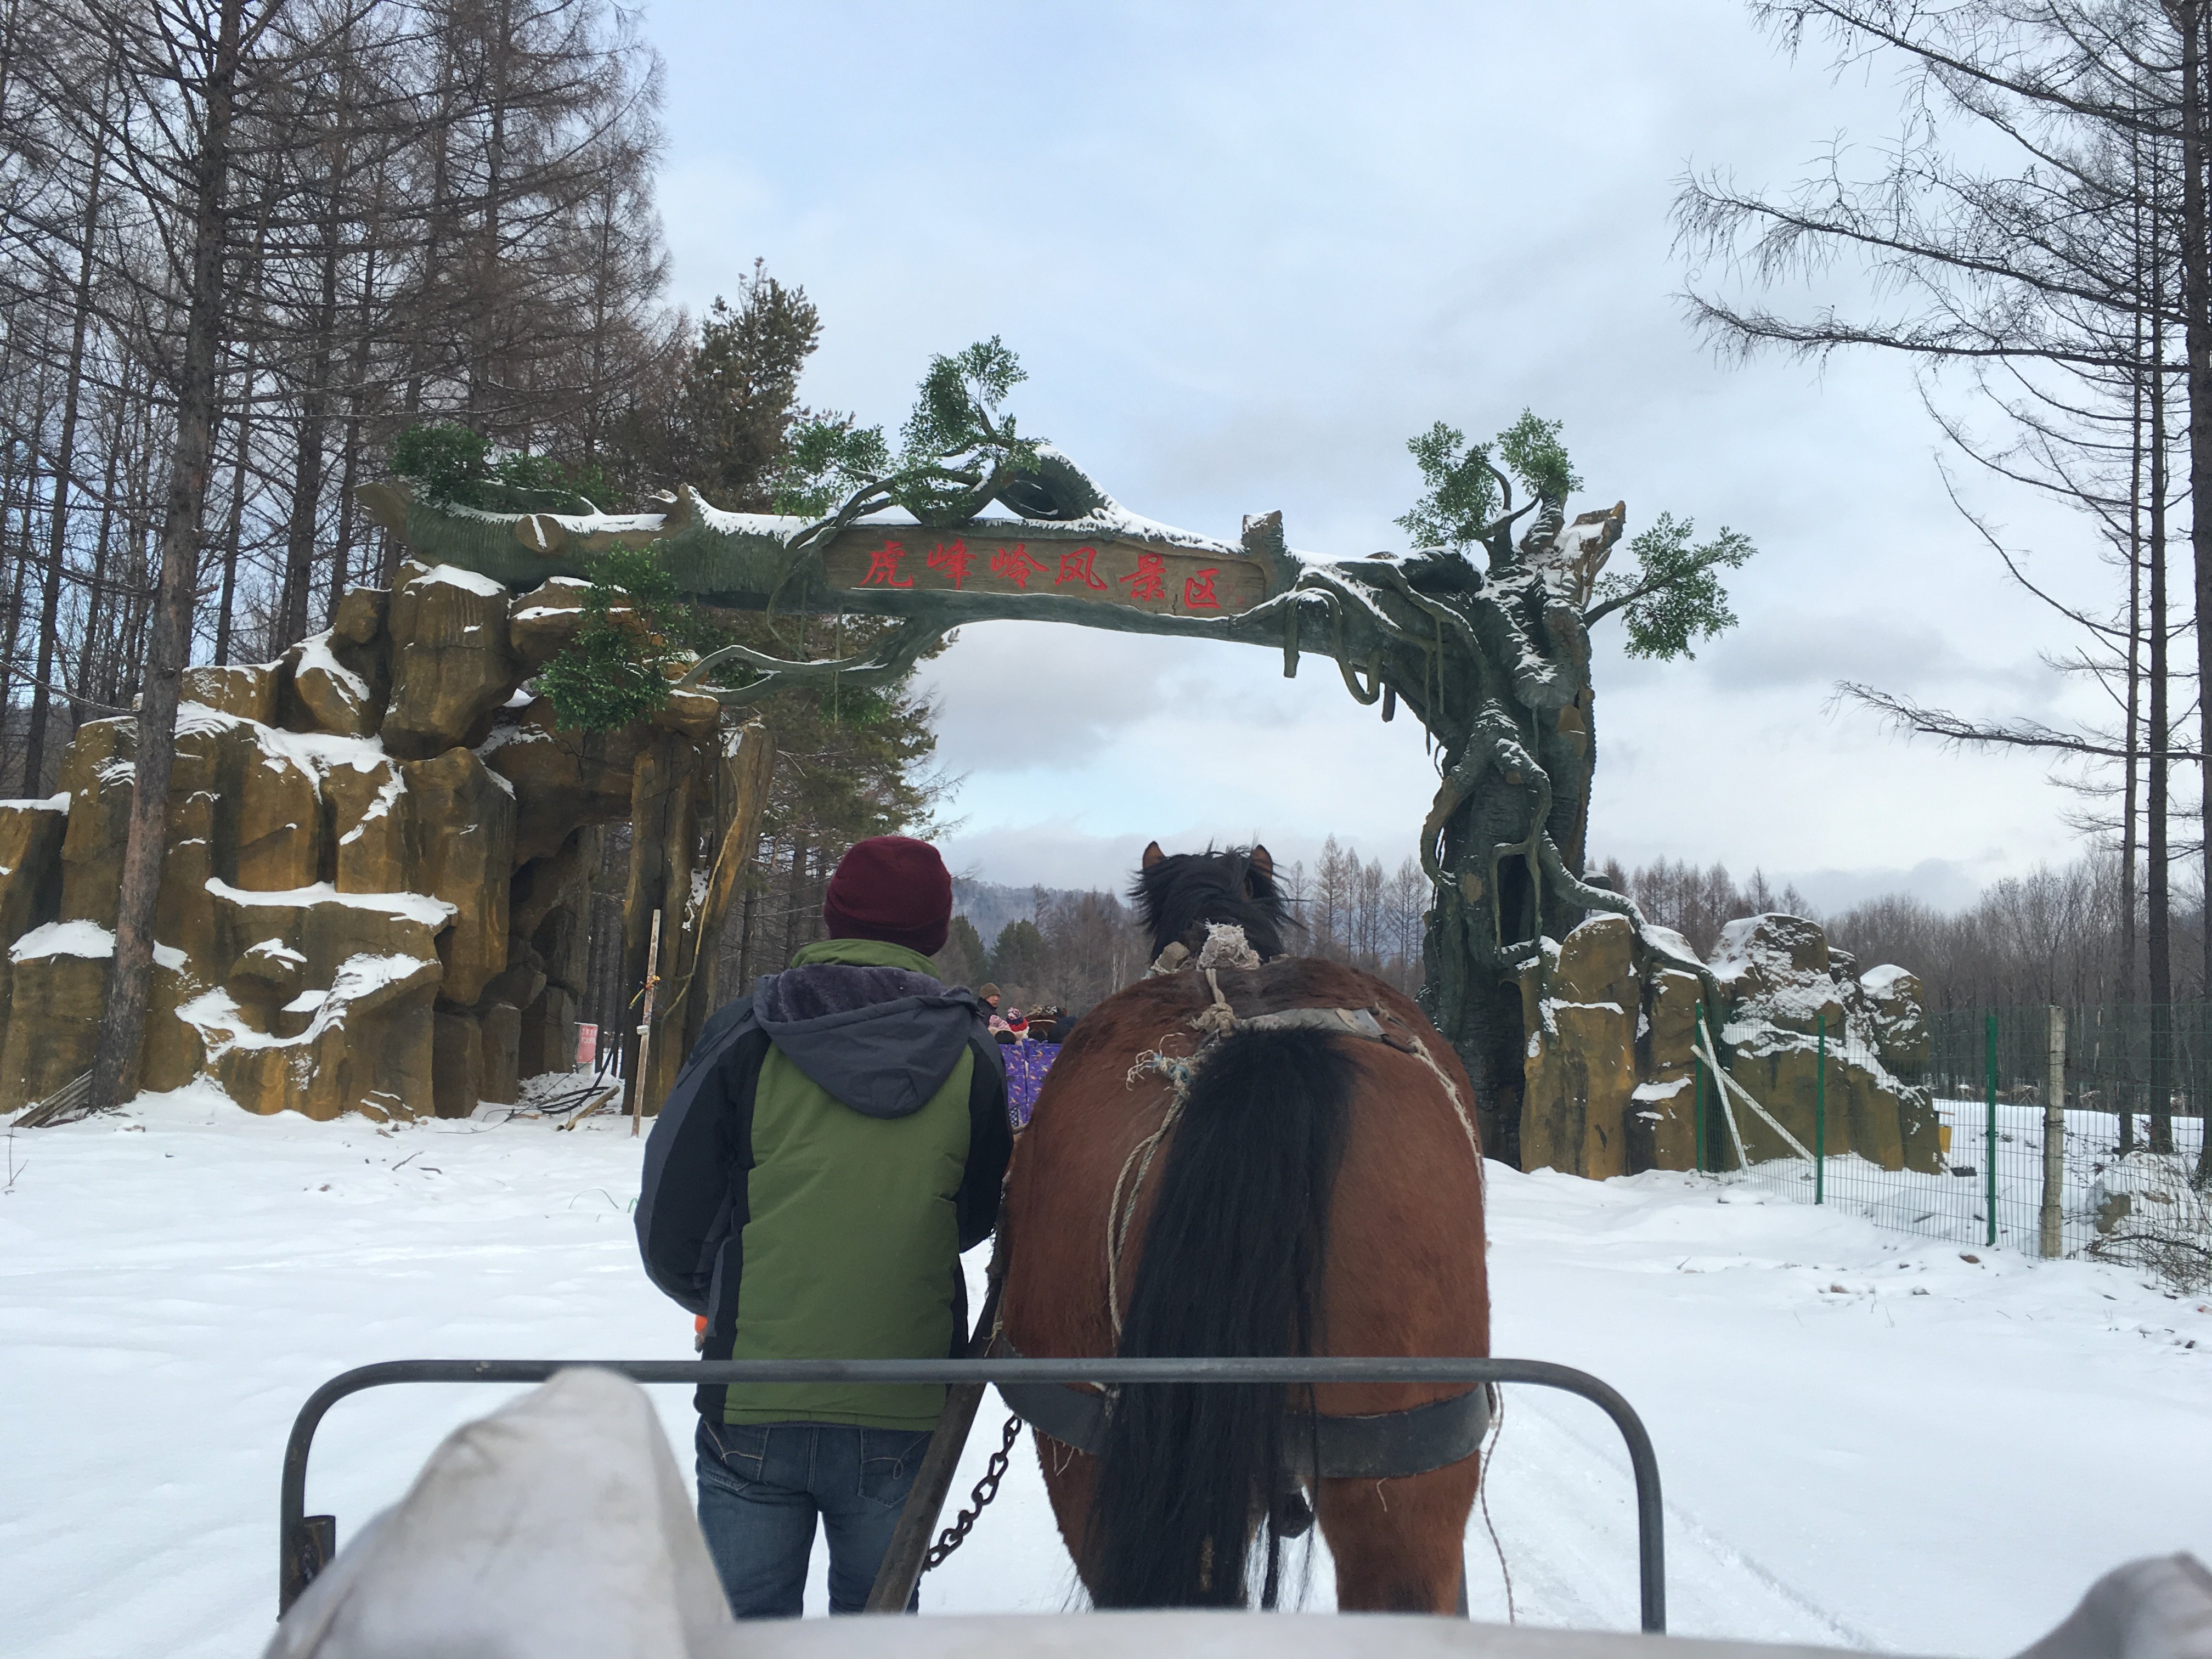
(832,1143)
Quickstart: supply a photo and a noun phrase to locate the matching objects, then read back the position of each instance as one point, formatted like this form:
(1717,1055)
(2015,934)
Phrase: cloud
(1945,884)
(1245,252)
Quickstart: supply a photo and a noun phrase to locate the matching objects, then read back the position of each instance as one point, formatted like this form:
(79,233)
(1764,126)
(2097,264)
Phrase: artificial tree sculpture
(1493,658)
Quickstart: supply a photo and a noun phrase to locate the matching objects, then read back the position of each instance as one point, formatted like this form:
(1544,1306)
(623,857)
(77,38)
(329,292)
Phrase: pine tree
(739,398)
(964,961)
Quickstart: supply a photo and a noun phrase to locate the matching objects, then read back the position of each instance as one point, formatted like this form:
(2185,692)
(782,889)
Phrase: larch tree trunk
(123,1023)
(50,609)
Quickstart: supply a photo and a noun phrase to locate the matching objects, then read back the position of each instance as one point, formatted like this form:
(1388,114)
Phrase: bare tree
(2054,282)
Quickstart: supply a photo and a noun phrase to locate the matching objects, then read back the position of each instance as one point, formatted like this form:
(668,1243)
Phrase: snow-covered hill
(1867,1440)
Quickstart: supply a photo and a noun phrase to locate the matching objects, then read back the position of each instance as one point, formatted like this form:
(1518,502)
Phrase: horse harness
(1380,1446)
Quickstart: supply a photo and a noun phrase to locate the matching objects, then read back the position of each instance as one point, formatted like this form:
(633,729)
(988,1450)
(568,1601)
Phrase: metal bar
(297,1566)
(1990,1135)
(2054,1137)
(1820,1108)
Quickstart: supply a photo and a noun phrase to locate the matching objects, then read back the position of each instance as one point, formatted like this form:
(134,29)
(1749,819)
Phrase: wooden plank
(1160,580)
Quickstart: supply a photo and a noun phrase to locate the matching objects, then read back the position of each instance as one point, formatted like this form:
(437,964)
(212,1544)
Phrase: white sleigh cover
(556,1528)
(559,1529)
(2157,1608)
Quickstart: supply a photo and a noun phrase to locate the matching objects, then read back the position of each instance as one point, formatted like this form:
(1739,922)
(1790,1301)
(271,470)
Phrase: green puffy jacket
(832,1143)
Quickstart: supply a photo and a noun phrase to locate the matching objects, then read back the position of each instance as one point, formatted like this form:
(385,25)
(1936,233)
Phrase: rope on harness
(1225,946)
(1178,1074)
(1482,1491)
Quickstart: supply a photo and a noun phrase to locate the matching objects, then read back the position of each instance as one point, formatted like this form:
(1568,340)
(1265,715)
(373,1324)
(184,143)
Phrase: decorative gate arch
(1494,662)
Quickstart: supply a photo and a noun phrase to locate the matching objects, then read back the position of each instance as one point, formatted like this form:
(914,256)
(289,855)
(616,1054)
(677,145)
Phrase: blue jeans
(760,1487)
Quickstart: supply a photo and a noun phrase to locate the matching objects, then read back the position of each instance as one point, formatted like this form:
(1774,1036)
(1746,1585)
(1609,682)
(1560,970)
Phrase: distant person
(832,1144)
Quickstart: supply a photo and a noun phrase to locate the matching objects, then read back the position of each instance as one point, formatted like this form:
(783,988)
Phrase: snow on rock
(468,580)
(1774,969)
(358,1044)
(247,691)
(327,816)
(414,907)
(315,654)
(1613,1045)
(1802,1031)
(336,694)
(1669,943)
(453,662)
(64,939)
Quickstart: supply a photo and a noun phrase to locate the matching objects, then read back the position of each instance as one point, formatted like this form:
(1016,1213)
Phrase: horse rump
(1232,1266)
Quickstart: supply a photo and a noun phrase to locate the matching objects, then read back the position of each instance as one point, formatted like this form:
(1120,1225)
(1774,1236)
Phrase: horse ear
(1260,861)
(1152,856)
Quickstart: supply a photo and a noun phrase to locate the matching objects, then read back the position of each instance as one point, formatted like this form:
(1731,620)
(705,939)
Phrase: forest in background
(433,225)
(1069,948)
(2050,936)
(246,248)
(2053,935)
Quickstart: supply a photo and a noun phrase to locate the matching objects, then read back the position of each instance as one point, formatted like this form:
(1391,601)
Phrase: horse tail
(1233,1266)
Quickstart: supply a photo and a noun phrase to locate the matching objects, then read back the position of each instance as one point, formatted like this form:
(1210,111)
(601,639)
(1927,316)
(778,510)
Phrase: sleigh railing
(309,1542)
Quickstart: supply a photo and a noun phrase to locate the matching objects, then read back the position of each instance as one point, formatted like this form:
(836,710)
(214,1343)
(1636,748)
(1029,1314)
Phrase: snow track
(1865,1441)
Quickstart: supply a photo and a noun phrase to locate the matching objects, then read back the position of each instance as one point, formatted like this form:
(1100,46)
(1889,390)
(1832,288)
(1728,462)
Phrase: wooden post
(645,1031)
(748,761)
(905,1557)
(1697,1073)
(661,821)
(2054,1137)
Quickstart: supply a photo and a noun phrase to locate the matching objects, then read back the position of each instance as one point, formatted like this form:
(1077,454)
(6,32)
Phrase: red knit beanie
(891,887)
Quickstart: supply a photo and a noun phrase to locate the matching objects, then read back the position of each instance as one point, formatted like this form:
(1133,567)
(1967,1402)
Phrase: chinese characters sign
(1173,580)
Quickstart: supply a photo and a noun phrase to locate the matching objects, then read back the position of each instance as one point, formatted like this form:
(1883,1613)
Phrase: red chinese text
(1198,591)
(1076,566)
(1149,580)
(952,561)
(1016,567)
(882,567)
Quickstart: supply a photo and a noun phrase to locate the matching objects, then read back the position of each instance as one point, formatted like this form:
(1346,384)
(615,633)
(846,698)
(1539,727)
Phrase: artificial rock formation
(1611,1070)
(374,897)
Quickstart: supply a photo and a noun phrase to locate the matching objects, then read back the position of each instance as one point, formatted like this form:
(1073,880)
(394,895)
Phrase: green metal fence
(2116,1169)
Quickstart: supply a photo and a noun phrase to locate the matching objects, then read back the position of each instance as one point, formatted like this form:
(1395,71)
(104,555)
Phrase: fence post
(1990,1132)
(2054,1135)
(1698,1072)
(1820,1106)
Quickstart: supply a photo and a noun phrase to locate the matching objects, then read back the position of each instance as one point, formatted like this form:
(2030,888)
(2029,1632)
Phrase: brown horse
(1212,1171)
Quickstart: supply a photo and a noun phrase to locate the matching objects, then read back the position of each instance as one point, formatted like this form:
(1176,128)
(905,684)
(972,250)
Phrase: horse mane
(1177,895)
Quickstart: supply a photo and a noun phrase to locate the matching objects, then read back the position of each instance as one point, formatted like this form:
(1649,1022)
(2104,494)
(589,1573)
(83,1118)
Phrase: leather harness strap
(1383,1446)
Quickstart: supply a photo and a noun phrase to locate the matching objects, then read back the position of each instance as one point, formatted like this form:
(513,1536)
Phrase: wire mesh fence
(2057,1132)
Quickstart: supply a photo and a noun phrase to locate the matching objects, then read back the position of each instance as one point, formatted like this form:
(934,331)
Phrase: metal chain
(986,1489)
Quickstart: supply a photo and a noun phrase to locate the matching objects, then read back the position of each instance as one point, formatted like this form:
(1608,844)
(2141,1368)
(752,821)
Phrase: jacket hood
(867,1023)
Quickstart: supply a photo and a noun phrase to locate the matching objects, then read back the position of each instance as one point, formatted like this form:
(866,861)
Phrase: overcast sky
(1244,252)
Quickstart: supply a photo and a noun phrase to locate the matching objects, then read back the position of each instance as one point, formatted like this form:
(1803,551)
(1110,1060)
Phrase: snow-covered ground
(1867,1440)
